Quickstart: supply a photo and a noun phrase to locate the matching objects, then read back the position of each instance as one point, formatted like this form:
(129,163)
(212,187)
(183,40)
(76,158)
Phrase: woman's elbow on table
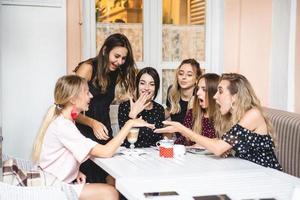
(218,153)
(219,147)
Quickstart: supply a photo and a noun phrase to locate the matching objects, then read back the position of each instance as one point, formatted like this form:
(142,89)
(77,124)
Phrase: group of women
(219,113)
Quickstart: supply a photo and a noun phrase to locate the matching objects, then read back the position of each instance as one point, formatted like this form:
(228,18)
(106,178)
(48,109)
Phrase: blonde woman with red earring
(59,142)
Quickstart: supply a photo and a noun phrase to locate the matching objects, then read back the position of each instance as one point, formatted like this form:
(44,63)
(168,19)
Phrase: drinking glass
(132,137)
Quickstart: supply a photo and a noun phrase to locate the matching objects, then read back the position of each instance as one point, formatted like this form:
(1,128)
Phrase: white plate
(196,150)
(132,152)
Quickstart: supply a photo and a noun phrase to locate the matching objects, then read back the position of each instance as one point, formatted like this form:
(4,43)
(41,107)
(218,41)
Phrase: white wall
(33,45)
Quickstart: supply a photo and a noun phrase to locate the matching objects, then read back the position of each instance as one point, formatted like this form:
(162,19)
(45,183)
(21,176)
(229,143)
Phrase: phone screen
(155,194)
(212,197)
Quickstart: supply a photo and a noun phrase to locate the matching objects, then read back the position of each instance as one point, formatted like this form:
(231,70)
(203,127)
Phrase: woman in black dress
(247,131)
(113,66)
(180,93)
(147,82)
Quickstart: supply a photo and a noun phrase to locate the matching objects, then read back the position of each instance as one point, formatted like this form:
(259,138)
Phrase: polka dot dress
(146,136)
(252,146)
(208,129)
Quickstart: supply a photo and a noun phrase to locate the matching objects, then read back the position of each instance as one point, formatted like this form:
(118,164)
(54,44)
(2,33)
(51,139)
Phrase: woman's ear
(73,101)
(233,98)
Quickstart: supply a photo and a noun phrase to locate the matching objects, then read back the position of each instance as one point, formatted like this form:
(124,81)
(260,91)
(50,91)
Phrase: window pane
(121,16)
(183,30)
(168,76)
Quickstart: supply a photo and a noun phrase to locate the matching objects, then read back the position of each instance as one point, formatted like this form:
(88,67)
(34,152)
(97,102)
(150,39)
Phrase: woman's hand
(139,105)
(171,127)
(100,131)
(139,122)
(226,153)
(81,178)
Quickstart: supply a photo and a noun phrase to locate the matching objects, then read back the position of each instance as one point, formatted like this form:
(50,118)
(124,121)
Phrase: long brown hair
(246,100)
(126,72)
(211,84)
(175,90)
(66,88)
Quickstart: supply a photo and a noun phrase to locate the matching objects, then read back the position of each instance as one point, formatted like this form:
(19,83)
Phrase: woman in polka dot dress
(147,82)
(247,130)
(201,118)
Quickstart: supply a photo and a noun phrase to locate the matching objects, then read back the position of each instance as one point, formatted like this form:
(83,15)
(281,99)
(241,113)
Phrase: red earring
(74,113)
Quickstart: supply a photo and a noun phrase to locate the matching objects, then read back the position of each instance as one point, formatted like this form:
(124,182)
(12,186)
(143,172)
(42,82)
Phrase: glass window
(183,30)
(120,16)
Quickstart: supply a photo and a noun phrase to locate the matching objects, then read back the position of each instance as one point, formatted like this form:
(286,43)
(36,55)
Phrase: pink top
(64,149)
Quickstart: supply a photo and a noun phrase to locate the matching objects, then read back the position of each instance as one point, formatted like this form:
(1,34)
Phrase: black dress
(146,136)
(252,146)
(98,110)
(178,117)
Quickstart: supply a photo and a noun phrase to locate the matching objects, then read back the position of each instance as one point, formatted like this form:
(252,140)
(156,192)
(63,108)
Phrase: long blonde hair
(66,88)
(175,90)
(246,99)
(211,84)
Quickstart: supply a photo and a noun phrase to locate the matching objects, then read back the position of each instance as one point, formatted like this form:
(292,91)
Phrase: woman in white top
(60,148)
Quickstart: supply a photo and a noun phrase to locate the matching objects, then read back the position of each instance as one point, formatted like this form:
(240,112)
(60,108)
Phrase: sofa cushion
(287,130)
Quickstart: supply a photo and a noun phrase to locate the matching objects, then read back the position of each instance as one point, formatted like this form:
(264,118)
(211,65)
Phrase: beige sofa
(287,129)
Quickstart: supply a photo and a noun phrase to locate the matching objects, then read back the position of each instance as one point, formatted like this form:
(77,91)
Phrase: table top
(150,164)
(237,185)
(195,174)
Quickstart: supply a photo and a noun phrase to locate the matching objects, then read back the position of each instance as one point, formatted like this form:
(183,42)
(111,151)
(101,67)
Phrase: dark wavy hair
(126,72)
(154,74)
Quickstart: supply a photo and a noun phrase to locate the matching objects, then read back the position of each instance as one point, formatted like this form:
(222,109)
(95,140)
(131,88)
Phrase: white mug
(165,148)
(165,143)
(179,149)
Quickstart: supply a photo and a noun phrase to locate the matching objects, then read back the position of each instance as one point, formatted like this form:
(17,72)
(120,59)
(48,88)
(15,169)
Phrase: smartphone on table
(157,194)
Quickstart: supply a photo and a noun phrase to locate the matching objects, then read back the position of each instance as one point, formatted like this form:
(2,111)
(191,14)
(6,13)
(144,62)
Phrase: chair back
(287,130)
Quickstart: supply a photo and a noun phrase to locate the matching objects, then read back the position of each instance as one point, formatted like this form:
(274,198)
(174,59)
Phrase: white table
(238,185)
(193,175)
(150,164)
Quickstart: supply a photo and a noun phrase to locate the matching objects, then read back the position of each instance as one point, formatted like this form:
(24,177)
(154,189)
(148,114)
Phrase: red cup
(165,148)
(166,152)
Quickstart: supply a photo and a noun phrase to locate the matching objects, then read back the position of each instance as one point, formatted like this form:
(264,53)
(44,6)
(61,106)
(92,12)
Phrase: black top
(252,146)
(178,117)
(154,116)
(99,105)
